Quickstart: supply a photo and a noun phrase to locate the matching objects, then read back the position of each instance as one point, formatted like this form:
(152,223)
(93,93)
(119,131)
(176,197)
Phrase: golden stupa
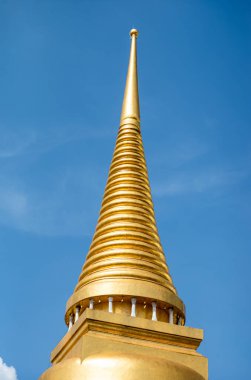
(125,319)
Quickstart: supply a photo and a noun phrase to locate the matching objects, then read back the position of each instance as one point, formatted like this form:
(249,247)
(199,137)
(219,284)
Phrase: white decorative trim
(70,322)
(77,314)
(110,306)
(133,311)
(154,311)
(170,311)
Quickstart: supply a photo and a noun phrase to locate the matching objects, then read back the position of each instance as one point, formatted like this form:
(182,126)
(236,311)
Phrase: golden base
(107,346)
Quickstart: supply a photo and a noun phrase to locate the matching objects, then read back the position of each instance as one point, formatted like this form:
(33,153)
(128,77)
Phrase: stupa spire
(130,107)
(126,257)
(125,318)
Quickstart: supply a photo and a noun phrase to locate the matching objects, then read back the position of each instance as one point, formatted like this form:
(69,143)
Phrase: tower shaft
(126,258)
(125,319)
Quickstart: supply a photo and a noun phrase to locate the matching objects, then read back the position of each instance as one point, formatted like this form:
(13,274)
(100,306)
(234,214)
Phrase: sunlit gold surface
(109,366)
(126,261)
(109,346)
(126,256)
(130,107)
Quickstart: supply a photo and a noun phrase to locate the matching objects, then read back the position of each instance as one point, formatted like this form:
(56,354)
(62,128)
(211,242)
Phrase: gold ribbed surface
(126,257)
(126,241)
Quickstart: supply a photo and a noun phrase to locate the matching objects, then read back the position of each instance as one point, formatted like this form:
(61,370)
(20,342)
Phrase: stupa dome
(111,366)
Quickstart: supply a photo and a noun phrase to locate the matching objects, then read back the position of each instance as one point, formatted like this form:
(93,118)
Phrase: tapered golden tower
(124,317)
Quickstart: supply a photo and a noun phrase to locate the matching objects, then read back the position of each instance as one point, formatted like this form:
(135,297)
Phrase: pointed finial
(130,108)
(134,32)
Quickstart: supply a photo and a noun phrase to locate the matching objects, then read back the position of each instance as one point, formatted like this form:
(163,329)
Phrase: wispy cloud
(197,182)
(181,152)
(57,206)
(6,372)
(15,142)
(12,203)
(62,210)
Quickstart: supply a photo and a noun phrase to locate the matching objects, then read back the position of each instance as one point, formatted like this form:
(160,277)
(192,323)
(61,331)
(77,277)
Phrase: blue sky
(62,73)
